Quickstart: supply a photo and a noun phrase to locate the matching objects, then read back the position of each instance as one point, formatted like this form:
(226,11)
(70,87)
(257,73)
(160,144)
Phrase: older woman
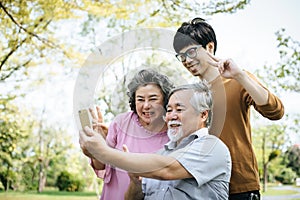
(142,130)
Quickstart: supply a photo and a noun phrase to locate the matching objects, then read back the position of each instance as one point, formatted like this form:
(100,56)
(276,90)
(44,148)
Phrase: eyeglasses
(191,53)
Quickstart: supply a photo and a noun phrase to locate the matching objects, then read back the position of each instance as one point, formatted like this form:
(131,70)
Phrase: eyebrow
(177,105)
(152,95)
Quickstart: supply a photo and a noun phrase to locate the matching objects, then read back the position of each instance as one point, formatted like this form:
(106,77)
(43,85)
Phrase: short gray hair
(201,99)
(145,77)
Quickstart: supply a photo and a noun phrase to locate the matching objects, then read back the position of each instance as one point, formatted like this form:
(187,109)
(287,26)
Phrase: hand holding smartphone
(85,118)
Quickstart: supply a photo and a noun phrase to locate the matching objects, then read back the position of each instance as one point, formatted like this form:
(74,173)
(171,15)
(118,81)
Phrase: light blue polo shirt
(206,158)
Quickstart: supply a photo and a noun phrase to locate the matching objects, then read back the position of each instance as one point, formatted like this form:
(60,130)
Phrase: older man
(193,165)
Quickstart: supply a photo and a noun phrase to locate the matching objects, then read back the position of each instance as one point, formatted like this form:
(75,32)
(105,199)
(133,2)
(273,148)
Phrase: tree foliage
(28,27)
(31,36)
(293,158)
(286,176)
(286,74)
(14,130)
(26,34)
(269,142)
(284,77)
(68,182)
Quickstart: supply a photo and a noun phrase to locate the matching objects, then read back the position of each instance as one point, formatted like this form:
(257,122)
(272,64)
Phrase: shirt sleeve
(274,109)
(206,159)
(111,138)
(99,173)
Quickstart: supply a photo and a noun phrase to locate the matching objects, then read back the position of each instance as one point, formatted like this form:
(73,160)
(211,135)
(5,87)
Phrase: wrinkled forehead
(181,96)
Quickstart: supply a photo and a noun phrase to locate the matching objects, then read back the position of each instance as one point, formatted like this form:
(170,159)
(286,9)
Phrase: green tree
(28,27)
(31,36)
(292,156)
(26,34)
(68,182)
(53,145)
(285,75)
(286,176)
(269,141)
(14,130)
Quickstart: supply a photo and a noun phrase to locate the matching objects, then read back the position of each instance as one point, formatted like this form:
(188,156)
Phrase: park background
(45,43)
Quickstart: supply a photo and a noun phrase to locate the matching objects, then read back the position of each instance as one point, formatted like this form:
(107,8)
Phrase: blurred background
(44,44)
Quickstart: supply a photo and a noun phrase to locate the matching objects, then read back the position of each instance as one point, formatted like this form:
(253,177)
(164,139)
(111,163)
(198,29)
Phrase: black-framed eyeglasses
(191,53)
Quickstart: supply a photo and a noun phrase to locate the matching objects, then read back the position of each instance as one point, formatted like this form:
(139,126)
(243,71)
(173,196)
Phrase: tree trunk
(41,178)
(265,174)
(264,162)
(41,158)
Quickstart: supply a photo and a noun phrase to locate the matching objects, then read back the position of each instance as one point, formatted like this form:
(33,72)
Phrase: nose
(171,115)
(188,59)
(187,63)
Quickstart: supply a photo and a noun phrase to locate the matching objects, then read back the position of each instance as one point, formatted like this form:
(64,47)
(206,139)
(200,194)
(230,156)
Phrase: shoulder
(211,143)
(123,120)
(127,116)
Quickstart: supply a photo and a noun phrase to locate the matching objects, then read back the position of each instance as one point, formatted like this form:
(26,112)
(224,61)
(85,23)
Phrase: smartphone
(85,118)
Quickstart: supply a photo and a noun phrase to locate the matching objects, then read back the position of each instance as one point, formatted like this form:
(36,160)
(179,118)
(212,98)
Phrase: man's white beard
(175,134)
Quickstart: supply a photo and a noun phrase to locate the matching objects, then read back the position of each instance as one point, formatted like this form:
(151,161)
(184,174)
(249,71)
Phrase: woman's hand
(97,122)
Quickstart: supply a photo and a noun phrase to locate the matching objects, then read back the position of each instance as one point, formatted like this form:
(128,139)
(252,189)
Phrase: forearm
(133,162)
(258,93)
(134,192)
(97,164)
(146,165)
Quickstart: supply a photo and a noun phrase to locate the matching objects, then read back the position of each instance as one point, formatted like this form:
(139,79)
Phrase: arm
(145,165)
(229,69)
(134,191)
(97,165)
(258,93)
(266,103)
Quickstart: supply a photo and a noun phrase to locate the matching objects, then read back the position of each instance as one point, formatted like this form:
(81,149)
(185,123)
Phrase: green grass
(51,194)
(279,192)
(273,192)
(47,195)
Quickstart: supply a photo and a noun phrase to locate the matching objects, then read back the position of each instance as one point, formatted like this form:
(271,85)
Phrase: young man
(193,165)
(234,92)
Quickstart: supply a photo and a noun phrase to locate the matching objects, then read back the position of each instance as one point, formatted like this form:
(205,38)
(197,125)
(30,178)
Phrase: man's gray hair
(201,99)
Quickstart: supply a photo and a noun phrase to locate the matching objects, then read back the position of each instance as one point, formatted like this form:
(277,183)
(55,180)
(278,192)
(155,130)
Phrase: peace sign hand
(227,67)
(97,121)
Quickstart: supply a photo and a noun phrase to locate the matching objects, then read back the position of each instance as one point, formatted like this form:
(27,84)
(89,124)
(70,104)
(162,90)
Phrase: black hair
(197,32)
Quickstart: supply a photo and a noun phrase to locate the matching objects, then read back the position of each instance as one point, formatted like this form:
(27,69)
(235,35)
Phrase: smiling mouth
(173,124)
(148,114)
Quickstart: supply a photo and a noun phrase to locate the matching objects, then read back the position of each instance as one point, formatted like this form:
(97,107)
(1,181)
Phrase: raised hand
(227,67)
(97,121)
(86,152)
(90,142)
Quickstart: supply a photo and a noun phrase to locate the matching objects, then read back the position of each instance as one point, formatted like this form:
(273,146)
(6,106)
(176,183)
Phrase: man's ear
(202,119)
(204,115)
(210,47)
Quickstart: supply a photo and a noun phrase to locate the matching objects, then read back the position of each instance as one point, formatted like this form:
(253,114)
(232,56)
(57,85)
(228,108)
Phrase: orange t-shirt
(231,118)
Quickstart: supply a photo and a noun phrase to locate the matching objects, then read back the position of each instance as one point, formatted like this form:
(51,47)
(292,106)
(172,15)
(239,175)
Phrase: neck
(156,126)
(211,74)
